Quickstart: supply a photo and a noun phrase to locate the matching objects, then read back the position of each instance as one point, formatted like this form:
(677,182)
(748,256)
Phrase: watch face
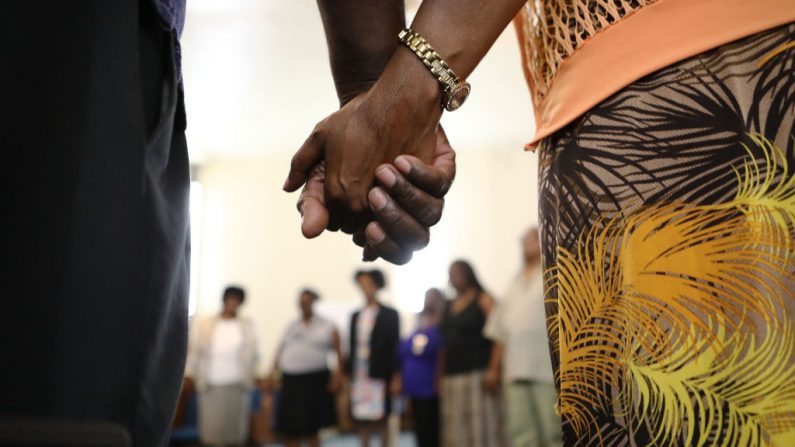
(457,96)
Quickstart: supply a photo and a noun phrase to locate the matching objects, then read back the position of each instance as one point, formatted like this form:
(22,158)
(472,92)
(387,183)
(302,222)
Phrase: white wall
(252,100)
(250,236)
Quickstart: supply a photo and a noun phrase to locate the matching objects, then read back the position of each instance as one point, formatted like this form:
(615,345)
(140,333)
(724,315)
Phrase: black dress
(466,349)
(471,416)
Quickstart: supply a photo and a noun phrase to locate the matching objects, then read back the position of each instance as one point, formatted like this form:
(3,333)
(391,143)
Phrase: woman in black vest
(471,405)
(373,363)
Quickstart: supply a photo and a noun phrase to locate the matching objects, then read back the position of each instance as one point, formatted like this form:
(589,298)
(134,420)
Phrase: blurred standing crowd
(475,372)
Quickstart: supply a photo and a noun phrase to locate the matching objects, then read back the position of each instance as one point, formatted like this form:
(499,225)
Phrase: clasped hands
(378,169)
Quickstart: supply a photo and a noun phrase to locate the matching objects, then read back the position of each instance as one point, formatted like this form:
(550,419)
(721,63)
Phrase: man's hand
(408,202)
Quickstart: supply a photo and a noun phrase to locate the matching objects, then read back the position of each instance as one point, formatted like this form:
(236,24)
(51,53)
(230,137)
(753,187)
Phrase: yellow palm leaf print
(675,318)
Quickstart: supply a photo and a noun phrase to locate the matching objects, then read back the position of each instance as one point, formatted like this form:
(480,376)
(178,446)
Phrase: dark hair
(312,294)
(375,274)
(439,295)
(236,292)
(469,274)
(437,292)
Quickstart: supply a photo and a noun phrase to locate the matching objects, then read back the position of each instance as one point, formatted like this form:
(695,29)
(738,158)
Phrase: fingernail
(286,181)
(376,233)
(386,176)
(403,164)
(378,198)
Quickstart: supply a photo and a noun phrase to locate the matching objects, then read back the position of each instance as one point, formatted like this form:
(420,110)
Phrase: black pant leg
(426,421)
(94,185)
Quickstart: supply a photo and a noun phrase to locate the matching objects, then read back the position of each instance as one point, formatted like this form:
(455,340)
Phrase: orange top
(576,53)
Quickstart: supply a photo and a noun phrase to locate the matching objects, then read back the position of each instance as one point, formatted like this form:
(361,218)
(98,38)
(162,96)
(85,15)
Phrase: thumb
(436,178)
(315,219)
(312,204)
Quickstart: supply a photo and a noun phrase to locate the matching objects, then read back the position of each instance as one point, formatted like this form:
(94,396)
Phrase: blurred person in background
(373,361)
(471,406)
(221,367)
(520,355)
(306,404)
(419,359)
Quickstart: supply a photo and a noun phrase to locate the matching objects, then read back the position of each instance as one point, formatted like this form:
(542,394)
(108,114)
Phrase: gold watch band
(437,66)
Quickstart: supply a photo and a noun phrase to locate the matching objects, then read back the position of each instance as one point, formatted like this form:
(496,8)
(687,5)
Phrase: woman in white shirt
(222,361)
(305,404)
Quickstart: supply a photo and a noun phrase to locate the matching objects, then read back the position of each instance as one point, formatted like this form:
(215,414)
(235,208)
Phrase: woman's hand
(271,383)
(491,380)
(335,383)
(395,385)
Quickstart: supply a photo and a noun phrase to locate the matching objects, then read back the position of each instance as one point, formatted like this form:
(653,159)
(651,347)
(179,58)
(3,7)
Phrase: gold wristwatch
(456,91)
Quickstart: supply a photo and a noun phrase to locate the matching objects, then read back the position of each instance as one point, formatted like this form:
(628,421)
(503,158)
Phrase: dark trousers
(94,183)
(425,414)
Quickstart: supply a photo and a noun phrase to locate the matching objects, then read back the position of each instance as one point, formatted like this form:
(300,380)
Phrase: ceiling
(257,80)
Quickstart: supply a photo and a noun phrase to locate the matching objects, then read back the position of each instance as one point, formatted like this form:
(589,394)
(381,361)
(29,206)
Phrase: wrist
(406,82)
(347,90)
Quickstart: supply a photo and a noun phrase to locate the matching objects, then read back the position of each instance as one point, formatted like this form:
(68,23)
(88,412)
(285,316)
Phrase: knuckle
(357,205)
(390,215)
(415,238)
(317,130)
(445,185)
(405,257)
(345,197)
(334,222)
(400,257)
(403,191)
(431,213)
(353,194)
(423,241)
(334,191)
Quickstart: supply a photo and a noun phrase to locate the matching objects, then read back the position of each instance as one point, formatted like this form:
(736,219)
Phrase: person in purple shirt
(419,355)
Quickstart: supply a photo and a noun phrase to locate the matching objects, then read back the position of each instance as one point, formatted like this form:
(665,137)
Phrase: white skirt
(224,412)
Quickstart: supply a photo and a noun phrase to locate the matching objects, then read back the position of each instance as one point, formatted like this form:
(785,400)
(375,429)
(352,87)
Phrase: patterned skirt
(668,228)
